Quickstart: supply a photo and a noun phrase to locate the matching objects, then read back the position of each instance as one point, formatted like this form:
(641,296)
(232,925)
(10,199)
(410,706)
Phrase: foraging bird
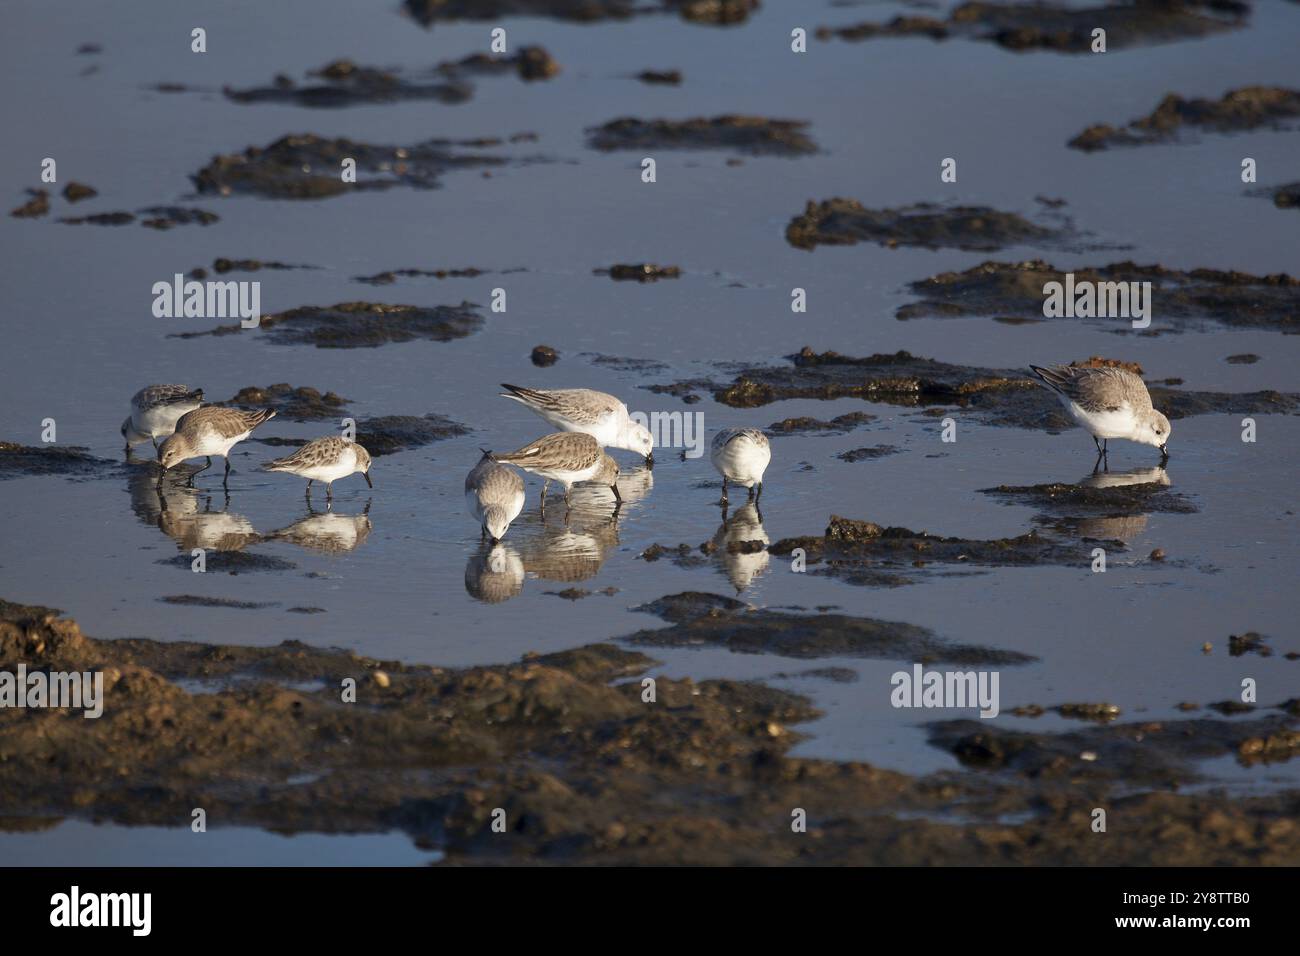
(1109,402)
(155,410)
(741,455)
(325,459)
(207,431)
(607,475)
(566,457)
(593,413)
(494,496)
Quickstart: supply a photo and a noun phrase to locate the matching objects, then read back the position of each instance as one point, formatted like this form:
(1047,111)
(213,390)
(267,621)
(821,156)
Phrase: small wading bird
(325,459)
(155,410)
(494,496)
(207,431)
(570,458)
(1109,402)
(741,455)
(583,410)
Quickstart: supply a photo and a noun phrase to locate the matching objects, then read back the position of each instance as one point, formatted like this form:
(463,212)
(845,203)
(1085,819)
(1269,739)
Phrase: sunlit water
(81,339)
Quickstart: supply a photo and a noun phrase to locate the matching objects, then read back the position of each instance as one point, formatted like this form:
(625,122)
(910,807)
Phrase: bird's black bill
(366,475)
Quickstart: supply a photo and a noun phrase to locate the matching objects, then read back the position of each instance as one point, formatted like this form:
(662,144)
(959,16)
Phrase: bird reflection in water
(740,546)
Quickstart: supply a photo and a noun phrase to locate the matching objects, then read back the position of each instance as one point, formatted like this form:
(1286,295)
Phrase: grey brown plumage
(559,451)
(1096,389)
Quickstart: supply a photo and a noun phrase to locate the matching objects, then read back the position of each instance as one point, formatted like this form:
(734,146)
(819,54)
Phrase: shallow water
(82,339)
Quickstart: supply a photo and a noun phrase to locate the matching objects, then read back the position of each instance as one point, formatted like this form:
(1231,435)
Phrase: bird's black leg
(204,468)
(226,476)
(724,489)
(759,493)
(329,491)
(308,492)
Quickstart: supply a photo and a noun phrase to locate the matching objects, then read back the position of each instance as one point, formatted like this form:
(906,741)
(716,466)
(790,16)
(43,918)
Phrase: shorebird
(155,410)
(566,457)
(494,496)
(1109,402)
(207,431)
(325,459)
(741,455)
(597,414)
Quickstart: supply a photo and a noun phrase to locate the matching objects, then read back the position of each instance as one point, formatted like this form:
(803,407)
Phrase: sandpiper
(741,455)
(1109,402)
(494,496)
(593,413)
(325,459)
(566,457)
(155,410)
(207,431)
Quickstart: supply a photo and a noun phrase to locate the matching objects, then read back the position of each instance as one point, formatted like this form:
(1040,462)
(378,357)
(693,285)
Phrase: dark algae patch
(195,600)
(641,272)
(354,325)
(68,461)
(343,83)
(1091,499)
(713,620)
(846,222)
(1252,107)
(867,454)
(1183,299)
(712,12)
(1287,196)
(1060,28)
(752,135)
(865,553)
(585,770)
(393,433)
(308,167)
(995,396)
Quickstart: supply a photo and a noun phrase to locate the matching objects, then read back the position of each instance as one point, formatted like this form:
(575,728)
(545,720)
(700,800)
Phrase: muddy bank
(846,222)
(807,425)
(1252,107)
(342,83)
(711,12)
(994,396)
(357,325)
(1148,754)
(585,770)
(868,554)
(310,167)
(1183,300)
(392,275)
(713,620)
(223,265)
(68,461)
(302,404)
(1060,28)
(752,135)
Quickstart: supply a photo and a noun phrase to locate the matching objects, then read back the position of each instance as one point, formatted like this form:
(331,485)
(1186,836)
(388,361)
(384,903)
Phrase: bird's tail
(525,396)
(259,416)
(1053,378)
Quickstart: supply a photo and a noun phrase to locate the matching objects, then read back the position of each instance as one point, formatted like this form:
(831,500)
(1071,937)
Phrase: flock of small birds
(1108,402)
